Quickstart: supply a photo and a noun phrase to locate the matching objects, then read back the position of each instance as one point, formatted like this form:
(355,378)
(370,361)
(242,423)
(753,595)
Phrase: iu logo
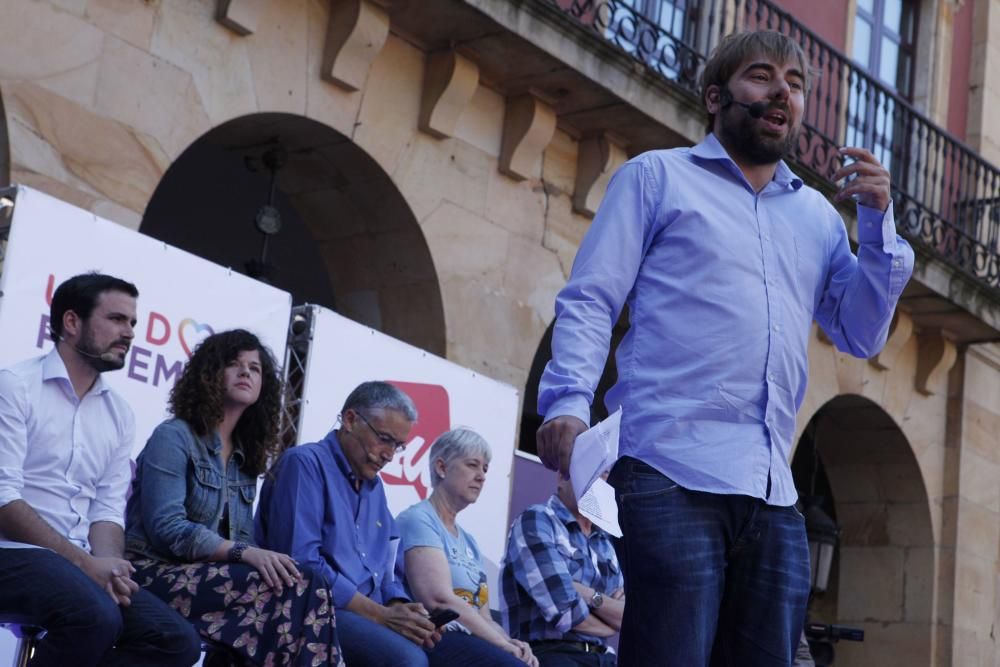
(411,468)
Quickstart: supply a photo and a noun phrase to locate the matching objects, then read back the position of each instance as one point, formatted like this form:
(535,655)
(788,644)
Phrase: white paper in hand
(598,504)
(594,452)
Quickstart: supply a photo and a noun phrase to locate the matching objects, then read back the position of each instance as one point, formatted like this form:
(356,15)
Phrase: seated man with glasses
(325,506)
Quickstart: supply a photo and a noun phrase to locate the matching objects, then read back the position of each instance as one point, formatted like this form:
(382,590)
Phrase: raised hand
(870,185)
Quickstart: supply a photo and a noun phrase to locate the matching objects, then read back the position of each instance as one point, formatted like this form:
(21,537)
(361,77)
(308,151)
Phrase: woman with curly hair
(189,521)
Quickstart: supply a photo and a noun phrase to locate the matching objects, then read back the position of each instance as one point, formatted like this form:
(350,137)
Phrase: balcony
(604,67)
(947,198)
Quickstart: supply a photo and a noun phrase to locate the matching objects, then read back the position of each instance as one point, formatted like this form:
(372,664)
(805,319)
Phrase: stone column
(984,81)
(969,572)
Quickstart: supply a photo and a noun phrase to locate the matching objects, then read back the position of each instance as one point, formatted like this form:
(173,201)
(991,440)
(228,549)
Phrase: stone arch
(884,571)
(348,240)
(4,147)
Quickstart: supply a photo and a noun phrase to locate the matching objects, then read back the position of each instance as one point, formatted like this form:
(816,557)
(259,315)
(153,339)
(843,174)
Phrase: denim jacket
(178,496)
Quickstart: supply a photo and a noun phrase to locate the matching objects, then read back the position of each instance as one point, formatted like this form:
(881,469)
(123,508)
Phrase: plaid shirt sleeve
(541,570)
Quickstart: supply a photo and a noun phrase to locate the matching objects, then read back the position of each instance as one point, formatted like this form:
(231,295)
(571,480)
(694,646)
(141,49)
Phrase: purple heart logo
(200,332)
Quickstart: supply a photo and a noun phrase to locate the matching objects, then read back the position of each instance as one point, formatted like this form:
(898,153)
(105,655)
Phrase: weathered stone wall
(974,501)
(984,81)
(101,96)
(123,88)
(917,499)
(886,473)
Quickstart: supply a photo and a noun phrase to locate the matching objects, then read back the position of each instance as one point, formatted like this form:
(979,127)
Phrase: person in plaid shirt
(561,588)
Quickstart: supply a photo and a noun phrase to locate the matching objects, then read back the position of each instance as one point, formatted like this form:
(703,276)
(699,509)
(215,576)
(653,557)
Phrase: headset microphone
(755,110)
(106,357)
(373,459)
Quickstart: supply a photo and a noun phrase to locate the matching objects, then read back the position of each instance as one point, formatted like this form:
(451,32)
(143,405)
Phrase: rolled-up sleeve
(109,500)
(163,472)
(13,437)
(542,571)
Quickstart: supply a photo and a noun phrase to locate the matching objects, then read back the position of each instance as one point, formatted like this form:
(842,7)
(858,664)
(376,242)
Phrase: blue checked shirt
(722,284)
(546,552)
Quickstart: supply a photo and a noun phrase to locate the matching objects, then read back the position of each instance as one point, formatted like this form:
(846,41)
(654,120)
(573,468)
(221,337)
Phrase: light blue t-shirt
(420,526)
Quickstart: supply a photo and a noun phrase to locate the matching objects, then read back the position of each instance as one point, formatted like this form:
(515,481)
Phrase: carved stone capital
(450,81)
(528,126)
(938,354)
(596,162)
(355,35)
(899,335)
(240,16)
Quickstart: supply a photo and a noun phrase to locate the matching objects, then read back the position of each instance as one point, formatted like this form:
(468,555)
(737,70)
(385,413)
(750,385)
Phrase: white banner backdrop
(182,298)
(343,354)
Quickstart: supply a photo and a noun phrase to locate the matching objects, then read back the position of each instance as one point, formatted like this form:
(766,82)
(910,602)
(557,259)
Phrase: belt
(555,644)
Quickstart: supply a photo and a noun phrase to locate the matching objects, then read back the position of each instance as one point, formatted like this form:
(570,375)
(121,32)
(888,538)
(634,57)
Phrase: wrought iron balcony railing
(946,197)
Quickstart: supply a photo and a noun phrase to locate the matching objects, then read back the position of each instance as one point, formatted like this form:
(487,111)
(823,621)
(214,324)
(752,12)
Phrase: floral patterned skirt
(230,604)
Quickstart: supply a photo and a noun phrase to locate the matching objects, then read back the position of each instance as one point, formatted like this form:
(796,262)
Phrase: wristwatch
(236,552)
(596,600)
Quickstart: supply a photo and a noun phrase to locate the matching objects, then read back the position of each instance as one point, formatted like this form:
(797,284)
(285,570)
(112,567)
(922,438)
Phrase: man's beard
(92,354)
(742,134)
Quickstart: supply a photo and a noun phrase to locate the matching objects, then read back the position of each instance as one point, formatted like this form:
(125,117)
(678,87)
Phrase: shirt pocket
(248,492)
(205,493)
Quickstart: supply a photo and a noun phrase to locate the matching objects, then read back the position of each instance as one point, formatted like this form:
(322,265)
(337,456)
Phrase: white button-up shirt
(67,457)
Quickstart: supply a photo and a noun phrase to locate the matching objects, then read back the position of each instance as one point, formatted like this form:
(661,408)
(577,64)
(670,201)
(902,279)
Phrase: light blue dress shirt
(722,285)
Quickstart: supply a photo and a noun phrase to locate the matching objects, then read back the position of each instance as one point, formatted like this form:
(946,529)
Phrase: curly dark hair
(197,398)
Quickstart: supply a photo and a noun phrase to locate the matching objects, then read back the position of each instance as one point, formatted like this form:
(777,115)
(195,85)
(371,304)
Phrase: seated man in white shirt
(65,441)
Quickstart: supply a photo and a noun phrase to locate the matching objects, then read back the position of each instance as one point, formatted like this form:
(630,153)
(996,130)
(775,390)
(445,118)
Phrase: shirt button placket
(769,267)
(773,316)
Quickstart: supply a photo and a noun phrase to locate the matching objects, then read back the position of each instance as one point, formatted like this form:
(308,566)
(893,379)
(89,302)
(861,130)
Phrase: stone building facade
(438,161)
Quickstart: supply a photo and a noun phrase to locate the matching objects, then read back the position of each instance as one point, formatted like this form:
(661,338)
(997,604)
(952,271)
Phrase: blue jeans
(457,649)
(85,627)
(710,580)
(365,643)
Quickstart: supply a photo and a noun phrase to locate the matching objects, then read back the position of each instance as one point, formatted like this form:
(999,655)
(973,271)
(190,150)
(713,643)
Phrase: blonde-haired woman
(443,563)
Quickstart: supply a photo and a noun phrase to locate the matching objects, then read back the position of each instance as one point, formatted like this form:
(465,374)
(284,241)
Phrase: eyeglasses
(397,445)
